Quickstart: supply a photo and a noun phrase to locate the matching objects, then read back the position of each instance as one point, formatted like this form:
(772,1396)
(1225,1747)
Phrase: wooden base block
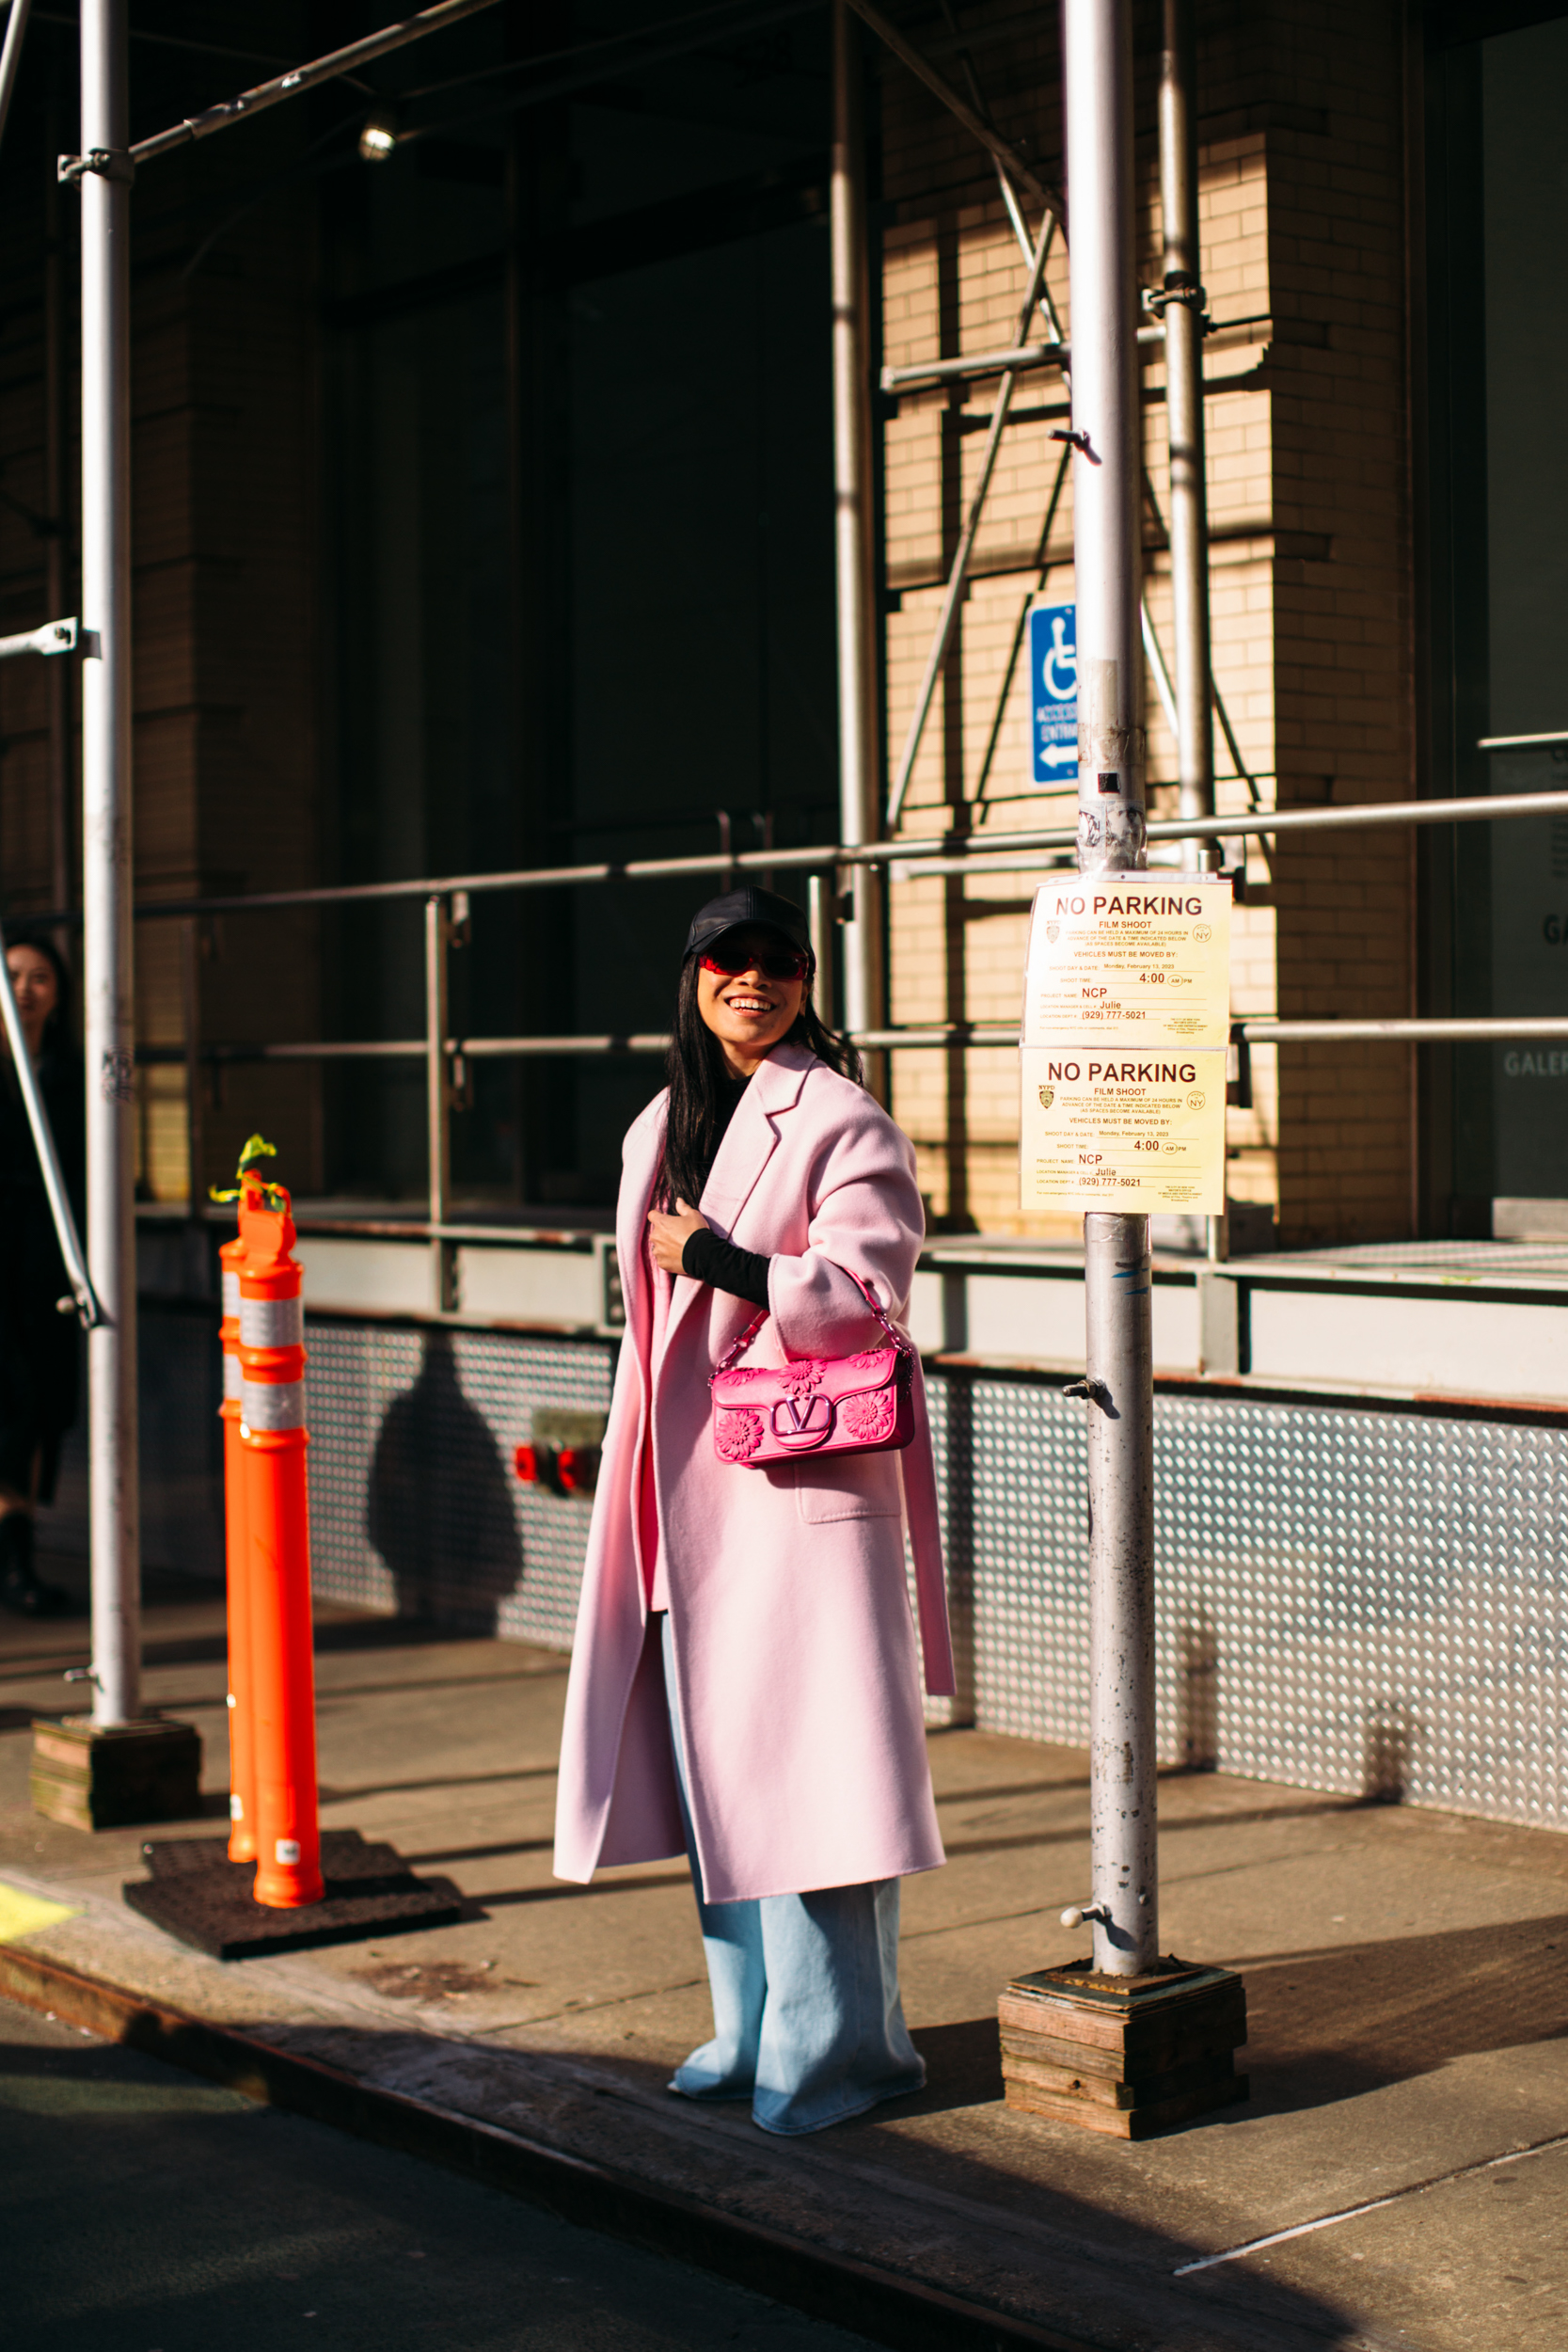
(1126,2056)
(115,1776)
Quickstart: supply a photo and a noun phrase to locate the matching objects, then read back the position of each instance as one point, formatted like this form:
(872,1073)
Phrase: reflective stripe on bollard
(278,1404)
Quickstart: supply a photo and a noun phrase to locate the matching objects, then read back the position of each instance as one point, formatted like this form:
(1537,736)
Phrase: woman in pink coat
(745,1684)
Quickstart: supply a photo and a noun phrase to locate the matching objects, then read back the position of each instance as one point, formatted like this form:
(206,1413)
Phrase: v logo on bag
(802,1421)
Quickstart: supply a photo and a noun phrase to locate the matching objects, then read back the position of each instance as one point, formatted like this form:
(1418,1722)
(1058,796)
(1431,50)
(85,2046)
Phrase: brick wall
(1303,224)
(1343,631)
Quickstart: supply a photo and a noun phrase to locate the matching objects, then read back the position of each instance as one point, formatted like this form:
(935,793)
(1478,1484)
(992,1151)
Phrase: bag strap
(899,1342)
(739,1348)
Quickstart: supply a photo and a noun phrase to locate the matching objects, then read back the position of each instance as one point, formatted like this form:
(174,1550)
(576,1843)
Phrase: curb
(885,2305)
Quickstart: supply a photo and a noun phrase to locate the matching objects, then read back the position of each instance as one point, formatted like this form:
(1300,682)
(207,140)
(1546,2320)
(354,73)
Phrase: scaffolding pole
(1181,300)
(1181,305)
(106,863)
(1119,1381)
(918,1036)
(56,585)
(11,56)
(864,1006)
(917,856)
(936,661)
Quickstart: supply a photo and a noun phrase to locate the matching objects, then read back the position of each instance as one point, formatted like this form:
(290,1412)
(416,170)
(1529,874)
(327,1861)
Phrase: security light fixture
(379,135)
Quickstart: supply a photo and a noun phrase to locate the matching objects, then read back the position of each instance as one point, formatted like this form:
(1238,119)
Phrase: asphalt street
(147,2211)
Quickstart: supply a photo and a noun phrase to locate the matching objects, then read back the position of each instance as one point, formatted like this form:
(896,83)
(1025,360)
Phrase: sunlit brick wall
(1302,209)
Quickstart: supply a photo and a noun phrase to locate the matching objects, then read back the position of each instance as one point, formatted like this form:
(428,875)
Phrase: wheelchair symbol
(1059,658)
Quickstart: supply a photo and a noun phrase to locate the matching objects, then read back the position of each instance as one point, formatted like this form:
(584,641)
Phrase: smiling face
(36,990)
(748,1011)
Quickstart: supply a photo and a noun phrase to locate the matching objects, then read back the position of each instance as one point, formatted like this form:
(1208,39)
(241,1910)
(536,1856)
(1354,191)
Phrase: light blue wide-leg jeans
(807,2021)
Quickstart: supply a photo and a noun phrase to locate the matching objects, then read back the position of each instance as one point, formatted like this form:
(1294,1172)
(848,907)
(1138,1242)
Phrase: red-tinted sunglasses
(786,963)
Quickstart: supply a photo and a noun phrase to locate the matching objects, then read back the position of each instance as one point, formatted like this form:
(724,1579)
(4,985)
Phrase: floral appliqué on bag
(868,1418)
(737,1436)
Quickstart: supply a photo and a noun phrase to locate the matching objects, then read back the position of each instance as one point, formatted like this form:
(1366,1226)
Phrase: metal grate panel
(1363,1601)
(414,1505)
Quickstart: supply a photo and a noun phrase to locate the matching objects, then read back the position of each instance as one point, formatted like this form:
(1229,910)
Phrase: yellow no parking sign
(1126,1025)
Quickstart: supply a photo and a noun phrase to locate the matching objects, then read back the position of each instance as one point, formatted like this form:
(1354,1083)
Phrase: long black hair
(698,1076)
(56,1029)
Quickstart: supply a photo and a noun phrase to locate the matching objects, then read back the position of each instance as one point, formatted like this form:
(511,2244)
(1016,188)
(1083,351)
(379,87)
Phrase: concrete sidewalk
(1406,1973)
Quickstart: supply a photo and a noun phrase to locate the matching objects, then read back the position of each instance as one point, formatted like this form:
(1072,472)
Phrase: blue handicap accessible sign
(1053,692)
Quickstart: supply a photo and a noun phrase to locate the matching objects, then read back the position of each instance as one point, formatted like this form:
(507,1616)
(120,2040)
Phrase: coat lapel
(645,1148)
(750,1142)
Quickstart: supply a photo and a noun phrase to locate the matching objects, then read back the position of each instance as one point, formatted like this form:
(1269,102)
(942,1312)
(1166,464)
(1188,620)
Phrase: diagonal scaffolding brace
(85,1299)
(1011,172)
(1007,157)
(1008,365)
(273,93)
(937,659)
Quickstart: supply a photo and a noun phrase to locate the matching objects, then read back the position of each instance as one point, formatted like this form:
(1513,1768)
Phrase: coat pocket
(862,1486)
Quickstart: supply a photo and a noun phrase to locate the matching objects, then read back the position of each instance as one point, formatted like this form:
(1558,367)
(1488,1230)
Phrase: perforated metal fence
(414,1501)
(1373,1601)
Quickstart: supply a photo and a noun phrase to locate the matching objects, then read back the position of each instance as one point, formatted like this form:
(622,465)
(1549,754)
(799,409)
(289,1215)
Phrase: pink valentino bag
(813,1404)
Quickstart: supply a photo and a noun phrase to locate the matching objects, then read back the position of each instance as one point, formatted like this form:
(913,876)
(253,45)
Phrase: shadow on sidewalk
(441,1509)
(1331,2025)
(1328,2026)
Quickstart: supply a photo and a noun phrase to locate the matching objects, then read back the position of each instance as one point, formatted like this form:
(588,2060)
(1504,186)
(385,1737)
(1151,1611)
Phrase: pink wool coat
(797,1677)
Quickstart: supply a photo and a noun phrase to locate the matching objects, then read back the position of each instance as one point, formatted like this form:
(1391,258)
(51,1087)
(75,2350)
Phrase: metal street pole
(863,1004)
(1045,2016)
(106,863)
(1111,838)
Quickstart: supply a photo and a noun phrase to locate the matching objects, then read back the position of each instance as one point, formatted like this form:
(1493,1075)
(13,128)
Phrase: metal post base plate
(1126,2056)
(115,1776)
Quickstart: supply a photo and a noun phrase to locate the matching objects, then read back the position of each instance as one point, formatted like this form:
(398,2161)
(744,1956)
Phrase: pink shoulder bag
(813,1404)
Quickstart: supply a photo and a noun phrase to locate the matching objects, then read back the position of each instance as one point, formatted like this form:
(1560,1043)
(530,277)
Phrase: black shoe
(19,1589)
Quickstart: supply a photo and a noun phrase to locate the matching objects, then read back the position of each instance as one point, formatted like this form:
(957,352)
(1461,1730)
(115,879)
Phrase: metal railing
(971,851)
(445,1054)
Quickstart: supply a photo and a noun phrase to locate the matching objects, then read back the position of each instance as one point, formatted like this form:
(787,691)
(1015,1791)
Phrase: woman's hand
(669,1236)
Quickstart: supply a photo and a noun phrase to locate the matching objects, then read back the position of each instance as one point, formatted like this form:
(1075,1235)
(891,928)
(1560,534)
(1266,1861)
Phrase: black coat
(40,1347)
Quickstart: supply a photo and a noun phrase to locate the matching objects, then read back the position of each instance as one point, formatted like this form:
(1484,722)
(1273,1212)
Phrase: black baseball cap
(740,910)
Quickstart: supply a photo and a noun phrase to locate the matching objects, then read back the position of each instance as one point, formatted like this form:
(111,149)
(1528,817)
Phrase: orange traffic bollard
(273,1442)
(241,1747)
